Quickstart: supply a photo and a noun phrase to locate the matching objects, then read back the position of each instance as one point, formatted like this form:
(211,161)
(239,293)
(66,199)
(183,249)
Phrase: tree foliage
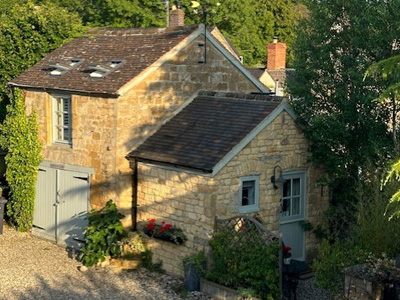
(346,126)
(19,137)
(250,24)
(27,34)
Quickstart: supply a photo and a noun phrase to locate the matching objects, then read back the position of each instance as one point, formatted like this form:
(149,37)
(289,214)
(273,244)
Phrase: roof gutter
(166,164)
(79,92)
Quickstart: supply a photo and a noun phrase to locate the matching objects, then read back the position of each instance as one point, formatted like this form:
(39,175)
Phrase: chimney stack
(276,55)
(176,17)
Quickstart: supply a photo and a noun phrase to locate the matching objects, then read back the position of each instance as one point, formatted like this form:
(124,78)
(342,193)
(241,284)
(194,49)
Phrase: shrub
(19,136)
(332,259)
(241,260)
(102,235)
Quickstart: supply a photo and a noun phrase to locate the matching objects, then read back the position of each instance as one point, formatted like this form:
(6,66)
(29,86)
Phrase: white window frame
(253,207)
(303,177)
(55,125)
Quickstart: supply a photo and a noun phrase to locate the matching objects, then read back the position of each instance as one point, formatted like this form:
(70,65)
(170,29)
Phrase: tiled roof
(206,130)
(256,72)
(281,75)
(138,48)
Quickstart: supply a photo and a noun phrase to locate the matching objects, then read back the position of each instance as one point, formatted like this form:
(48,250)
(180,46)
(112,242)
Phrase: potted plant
(286,254)
(165,232)
(194,267)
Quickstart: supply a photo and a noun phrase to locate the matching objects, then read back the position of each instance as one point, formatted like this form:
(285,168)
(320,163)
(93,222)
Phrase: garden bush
(332,259)
(241,260)
(102,235)
(19,136)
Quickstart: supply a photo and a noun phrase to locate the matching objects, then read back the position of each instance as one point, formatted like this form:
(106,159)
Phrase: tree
(250,24)
(27,34)
(117,13)
(347,128)
(19,137)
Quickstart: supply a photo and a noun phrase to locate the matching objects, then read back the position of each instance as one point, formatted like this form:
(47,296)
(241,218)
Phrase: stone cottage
(100,96)
(216,159)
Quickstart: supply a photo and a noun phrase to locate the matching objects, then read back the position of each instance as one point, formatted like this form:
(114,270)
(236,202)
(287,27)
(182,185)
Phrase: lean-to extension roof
(137,48)
(207,130)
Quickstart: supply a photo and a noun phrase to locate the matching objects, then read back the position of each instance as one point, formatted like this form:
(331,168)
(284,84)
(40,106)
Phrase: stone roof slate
(206,130)
(139,48)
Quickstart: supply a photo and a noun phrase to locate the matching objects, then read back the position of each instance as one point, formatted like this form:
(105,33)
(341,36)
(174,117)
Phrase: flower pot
(192,277)
(286,260)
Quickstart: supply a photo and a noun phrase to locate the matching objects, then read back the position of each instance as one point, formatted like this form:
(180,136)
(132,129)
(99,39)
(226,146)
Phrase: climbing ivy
(19,137)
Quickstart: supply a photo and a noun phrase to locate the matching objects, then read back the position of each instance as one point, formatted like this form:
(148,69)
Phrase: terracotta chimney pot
(276,55)
(176,17)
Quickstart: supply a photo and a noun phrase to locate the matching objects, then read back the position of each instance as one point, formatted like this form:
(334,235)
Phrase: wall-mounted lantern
(277,181)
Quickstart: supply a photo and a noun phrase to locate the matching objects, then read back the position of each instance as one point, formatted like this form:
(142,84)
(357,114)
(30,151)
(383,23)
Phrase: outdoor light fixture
(280,180)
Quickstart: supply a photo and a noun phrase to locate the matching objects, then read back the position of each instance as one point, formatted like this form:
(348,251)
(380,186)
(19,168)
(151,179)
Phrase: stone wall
(105,130)
(183,199)
(280,143)
(94,136)
(149,104)
(192,201)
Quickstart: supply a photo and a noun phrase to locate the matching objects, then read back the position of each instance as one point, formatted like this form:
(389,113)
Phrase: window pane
(286,188)
(62,122)
(248,189)
(296,206)
(296,187)
(286,207)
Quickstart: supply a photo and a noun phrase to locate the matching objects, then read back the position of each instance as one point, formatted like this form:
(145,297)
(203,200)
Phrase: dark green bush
(240,260)
(332,259)
(102,235)
(19,136)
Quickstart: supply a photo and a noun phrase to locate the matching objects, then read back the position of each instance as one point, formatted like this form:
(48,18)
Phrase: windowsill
(245,210)
(60,144)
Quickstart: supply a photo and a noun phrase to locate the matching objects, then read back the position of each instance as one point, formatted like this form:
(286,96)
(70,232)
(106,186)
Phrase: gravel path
(31,268)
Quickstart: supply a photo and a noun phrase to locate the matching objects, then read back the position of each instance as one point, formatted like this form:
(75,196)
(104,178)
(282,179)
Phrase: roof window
(102,70)
(60,68)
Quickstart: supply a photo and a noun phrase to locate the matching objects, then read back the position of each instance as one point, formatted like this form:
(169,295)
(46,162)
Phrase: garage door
(61,205)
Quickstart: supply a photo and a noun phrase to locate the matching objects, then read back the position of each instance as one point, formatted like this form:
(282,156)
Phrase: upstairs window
(102,70)
(248,194)
(62,128)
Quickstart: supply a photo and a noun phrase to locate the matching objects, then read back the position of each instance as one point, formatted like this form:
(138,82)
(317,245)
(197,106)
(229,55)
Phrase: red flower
(150,226)
(167,226)
(286,249)
(152,220)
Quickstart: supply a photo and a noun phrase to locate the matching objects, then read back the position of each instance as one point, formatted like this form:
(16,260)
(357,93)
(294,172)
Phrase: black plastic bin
(3,202)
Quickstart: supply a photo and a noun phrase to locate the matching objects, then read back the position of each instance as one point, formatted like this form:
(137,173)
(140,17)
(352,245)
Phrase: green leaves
(346,126)
(27,33)
(19,136)
(241,260)
(102,235)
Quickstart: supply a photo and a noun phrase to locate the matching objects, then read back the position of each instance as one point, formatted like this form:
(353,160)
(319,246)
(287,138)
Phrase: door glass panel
(286,207)
(296,206)
(286,188)
(296,187)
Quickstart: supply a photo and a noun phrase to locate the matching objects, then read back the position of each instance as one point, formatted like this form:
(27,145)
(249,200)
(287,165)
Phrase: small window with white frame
(248,194)
(62,128)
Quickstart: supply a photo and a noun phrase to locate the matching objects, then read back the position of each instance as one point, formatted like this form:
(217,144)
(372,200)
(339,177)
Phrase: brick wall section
(176,18)
(276,56)
(105,130)
(192,201)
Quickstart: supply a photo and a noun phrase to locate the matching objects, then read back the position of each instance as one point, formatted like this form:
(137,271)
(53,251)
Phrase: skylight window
(102,70)
(61,68)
